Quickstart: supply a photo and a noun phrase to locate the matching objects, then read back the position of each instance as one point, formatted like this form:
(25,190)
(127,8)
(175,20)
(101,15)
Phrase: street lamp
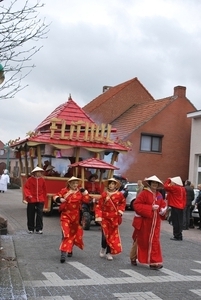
(2,76)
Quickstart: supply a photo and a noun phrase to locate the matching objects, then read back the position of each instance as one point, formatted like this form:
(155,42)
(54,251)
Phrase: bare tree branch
(19,28)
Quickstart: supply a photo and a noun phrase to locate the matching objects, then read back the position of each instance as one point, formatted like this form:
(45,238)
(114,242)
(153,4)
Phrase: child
(35,194)
(109,211)
(70,200)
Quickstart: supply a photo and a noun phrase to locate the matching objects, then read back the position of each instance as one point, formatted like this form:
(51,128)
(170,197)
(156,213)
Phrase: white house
(195,148)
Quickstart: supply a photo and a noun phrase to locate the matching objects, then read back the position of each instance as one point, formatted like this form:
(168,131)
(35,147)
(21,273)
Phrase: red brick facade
(166,117)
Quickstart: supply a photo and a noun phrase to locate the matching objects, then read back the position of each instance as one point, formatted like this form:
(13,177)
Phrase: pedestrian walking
(35,195)
(4,181)
(70,199)
(190,195)
(150,209)
(133,251)
(176,198)
(109,211)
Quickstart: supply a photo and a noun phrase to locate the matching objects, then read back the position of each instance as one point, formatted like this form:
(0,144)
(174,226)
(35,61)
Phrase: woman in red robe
(150,208)
(70,200)
(109,211)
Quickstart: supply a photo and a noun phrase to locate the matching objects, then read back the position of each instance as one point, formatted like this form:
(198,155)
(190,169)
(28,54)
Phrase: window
(151,143)
(132,187)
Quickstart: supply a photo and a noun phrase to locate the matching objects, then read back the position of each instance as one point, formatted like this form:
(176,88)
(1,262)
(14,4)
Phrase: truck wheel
(86,221)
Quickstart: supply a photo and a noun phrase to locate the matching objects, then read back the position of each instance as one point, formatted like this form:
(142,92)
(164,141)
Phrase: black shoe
(70,254)
(63,257)
(199,228)
(134,262)
(176,239)
(156,267)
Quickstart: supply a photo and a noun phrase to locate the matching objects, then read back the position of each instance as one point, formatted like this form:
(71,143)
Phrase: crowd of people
(154,197)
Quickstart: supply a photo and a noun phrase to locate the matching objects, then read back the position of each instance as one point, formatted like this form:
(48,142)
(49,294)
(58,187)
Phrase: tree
(20,28)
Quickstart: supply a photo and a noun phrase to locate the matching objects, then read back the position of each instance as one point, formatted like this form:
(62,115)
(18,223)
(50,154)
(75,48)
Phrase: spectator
(4,181)
(176,198)
(198,204)
(187,209)
(35,194)
(150,208)
(140,187)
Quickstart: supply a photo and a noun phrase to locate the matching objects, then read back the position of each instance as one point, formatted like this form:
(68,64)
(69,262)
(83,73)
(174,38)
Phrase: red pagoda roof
(94,163)
(68,125)
(68,111)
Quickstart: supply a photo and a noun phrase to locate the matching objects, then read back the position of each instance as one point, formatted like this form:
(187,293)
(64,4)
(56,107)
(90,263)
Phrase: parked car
(195,213)
(131,188)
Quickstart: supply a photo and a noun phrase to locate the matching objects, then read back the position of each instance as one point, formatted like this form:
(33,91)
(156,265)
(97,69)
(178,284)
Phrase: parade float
(70,140)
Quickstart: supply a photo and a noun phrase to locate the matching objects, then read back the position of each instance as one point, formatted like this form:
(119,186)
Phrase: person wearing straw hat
(70,199)
(109,211)
(150,209)
(176,197)
(35,195)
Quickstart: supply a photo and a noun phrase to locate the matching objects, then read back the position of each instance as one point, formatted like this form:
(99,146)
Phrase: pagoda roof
(69,126)
(94,163)
(68,111)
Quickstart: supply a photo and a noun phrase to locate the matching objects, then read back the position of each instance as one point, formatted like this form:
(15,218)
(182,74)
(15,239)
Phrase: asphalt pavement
(30,265)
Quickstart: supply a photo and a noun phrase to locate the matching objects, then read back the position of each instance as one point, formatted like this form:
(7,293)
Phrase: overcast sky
(93,43)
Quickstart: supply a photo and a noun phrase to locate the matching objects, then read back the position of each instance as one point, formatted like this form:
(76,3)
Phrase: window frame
(152,136)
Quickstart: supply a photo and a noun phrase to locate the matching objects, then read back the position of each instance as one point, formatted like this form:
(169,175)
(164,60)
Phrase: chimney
(180,91)
(105,88)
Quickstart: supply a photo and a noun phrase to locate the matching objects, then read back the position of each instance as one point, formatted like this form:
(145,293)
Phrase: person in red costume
(35,195)
(92,186)
(176,197)
(70,199)
(150,208)
(109,211)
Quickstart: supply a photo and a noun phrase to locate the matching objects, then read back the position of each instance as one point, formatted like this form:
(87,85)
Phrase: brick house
(159,130)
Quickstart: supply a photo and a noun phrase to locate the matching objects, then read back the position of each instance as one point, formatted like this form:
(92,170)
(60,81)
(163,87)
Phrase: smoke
(124,162)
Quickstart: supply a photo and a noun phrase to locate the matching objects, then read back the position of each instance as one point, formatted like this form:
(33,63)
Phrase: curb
(11,282)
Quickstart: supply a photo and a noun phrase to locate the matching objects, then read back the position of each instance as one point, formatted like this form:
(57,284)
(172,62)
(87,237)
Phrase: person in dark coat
(198,204)
(176,199)
(187,209)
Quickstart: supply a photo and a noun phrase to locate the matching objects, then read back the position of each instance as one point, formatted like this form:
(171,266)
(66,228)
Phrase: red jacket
(35,189)
(176,195)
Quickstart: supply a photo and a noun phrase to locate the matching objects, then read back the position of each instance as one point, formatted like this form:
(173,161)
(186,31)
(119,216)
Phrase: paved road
(30,266)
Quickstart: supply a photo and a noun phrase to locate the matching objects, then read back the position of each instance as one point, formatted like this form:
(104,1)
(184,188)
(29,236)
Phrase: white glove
(155,206)
(62,200)
(163,211)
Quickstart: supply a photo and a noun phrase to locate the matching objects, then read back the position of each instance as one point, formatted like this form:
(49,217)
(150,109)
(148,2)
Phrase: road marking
(52,298)
(52,279)
(137,296)
(197,292)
